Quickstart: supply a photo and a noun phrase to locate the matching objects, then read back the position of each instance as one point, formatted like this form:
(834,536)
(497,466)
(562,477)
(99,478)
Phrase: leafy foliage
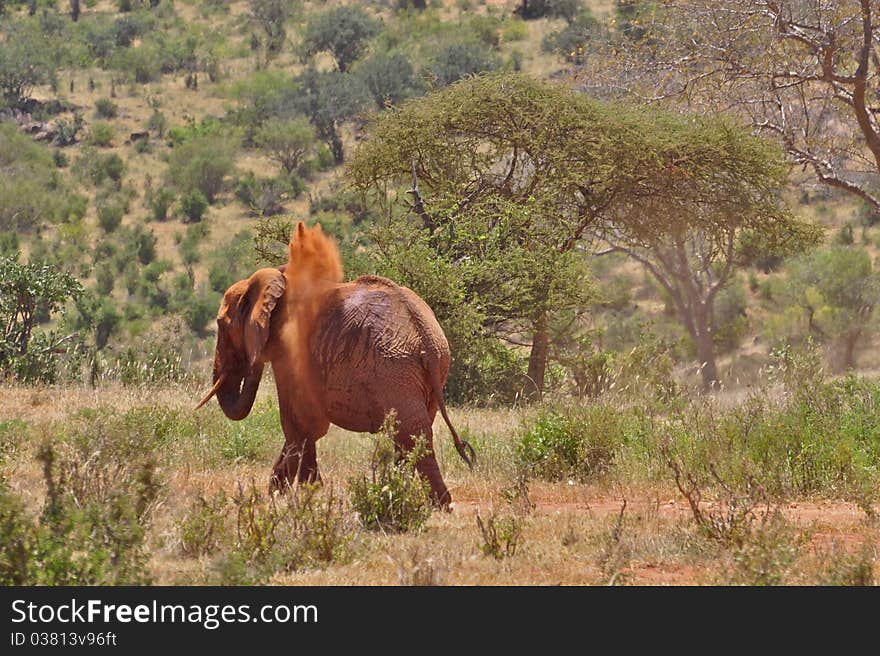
(343,31)
(394,498)
(25,354)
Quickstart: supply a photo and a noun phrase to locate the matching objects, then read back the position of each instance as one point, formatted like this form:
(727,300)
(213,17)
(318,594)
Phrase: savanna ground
(783,482)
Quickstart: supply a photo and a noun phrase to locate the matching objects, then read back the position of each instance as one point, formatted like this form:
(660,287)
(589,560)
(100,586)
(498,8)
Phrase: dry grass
(575,533)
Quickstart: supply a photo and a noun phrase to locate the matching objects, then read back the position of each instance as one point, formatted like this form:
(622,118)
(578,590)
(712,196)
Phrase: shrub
(101,135)
(201,164)
(571,42)
(308,527)
(31,187)
(160,203)
(390,78)
(287,142)
(263,196)
(202,529)
(576,441)
(99,498)
(106,108)
(459,60)
(110,216)
(105,279)
(26,61)
(501,535)
(155,357)
(99,167)
(394,498)
(28,291)
(193,205)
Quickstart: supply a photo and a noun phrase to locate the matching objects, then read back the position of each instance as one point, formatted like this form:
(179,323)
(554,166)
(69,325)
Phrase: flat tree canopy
(591,174)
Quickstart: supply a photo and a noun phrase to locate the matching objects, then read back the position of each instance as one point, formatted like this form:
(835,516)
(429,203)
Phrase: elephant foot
(442,500)
(278,483)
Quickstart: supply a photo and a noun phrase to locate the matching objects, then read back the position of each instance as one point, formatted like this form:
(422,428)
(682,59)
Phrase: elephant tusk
(212,392)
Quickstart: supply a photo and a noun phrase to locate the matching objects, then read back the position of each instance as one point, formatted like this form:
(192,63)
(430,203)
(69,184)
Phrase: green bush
(571,43)
(263,196)
(390,78)
(30,293)
(106,108)
(101,135)
(160,203)
(343,31)
(577,441)
(100,494)
(203,528)
(32,190)
(458,60)
(153,358)
(110,216)
(98,167)
(307,527)
(202,164)
(193,205)
(394,498)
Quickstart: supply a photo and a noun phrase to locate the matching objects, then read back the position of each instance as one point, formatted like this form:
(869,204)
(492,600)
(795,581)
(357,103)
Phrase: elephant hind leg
(427,465)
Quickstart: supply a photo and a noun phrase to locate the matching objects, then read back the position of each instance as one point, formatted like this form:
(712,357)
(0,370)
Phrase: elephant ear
(266,289)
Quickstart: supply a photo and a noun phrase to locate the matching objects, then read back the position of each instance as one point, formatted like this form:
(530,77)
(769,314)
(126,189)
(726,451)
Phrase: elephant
(345,353)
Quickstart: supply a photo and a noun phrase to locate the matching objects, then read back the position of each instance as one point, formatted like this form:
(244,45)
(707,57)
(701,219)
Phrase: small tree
(26,61)
(193,205)
(271,16)
(328,100)
(25,289)
(805,73)
(202,163)
(836,289)
(344,32)
(512,172)
(390,78)
(459,60)
(287,142)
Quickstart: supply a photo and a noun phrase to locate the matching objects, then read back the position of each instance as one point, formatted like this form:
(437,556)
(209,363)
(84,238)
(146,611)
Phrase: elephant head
(242,332)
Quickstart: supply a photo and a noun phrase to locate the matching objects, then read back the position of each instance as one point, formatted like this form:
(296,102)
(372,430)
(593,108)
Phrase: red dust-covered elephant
(342,353)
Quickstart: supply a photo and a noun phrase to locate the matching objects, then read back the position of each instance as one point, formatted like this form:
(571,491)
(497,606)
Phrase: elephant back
(372,321)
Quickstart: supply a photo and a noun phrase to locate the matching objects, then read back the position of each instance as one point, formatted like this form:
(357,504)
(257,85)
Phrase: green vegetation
(394,497)
(639,297)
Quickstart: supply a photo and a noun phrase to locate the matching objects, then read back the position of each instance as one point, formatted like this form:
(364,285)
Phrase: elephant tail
(465,450)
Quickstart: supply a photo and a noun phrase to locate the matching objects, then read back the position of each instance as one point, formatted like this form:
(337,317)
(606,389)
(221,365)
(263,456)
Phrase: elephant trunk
(235,390)
(236,394)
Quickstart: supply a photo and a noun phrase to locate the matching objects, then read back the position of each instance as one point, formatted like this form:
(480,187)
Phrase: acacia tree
(491,153)
(807,73)
(691,226)
(271,16)
(287,142)
(328,99)
(674,192)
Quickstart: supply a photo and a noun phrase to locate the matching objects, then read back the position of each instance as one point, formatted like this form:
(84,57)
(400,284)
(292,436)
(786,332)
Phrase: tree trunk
(702,335)
(850,340)
(538,360)
(336,148)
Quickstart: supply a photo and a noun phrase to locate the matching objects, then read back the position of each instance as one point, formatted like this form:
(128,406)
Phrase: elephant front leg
(296,462)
